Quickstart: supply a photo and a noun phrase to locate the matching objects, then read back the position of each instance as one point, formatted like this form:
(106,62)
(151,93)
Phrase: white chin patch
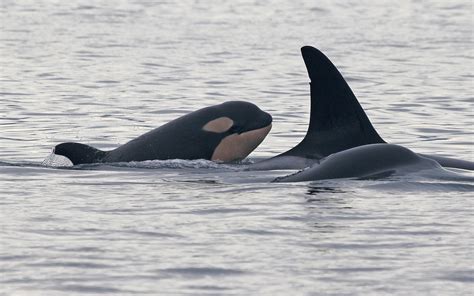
(219,125)
(238,146)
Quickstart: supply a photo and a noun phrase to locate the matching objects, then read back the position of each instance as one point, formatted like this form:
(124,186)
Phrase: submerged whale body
(367,161)
(225,132)
(337,121)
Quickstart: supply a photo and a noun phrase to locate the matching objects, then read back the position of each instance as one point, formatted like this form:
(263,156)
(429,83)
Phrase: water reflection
(314,189)
(326,207)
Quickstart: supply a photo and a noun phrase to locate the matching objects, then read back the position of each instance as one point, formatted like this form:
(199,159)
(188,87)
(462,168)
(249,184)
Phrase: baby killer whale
(225,132)
(337,122)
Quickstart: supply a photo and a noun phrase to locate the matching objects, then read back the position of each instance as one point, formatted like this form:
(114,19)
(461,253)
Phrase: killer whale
(225,132)
(337,121)
(366,161)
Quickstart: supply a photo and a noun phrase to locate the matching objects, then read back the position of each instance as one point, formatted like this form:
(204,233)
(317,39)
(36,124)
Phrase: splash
(54,160)
(178,164)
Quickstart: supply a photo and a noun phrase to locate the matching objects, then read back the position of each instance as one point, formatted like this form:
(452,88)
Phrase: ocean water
(104,72)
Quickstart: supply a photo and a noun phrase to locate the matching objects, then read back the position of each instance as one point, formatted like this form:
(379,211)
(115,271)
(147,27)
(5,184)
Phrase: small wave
(23,164)
(201,271)
(177,164)
(79,288)
(408,186)
(54,160)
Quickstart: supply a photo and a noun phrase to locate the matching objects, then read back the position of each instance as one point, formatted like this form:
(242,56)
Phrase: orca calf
(367,161)
(337,121)
(226,132)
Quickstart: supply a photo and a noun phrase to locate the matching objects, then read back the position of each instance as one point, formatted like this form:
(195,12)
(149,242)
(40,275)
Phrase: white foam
(55,160)
(178,164)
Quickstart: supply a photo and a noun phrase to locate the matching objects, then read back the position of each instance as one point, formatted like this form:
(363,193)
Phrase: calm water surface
(102,73)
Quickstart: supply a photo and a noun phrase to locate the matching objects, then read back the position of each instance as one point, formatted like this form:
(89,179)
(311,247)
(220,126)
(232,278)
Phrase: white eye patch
(218,125)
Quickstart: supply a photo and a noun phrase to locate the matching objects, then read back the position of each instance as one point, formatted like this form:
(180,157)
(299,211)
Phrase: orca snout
(266,118)
(257,121)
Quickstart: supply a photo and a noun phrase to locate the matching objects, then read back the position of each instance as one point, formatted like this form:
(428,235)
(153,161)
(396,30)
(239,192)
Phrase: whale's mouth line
(266,121)
(237,146)
(264,128)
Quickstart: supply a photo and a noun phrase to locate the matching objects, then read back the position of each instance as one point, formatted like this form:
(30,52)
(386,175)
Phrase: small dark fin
(337,121)
(79,153)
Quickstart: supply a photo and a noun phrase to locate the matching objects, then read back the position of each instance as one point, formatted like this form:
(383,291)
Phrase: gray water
(102,73)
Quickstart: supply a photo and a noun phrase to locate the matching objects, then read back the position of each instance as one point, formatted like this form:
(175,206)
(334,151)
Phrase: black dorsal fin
(79,153)
(337,121)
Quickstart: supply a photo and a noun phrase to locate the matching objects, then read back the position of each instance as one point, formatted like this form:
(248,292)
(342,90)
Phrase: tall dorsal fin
(337,121)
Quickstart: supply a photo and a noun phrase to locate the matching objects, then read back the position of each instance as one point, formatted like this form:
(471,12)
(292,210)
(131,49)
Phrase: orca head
(242,126)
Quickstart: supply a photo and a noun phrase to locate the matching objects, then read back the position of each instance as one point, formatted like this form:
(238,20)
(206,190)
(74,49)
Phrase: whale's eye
(235,129)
